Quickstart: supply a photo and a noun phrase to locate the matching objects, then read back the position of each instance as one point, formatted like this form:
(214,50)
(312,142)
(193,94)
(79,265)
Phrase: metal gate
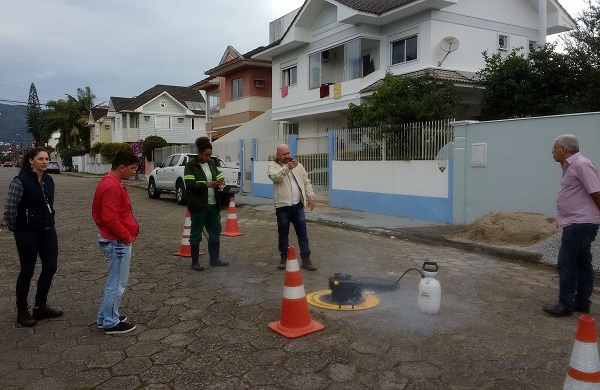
(313,154)
(248,160)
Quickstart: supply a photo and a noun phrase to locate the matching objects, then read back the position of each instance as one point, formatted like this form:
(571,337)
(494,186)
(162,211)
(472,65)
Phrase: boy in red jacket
(112,213)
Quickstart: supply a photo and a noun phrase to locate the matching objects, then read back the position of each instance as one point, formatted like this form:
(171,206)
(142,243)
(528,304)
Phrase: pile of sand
(518,228)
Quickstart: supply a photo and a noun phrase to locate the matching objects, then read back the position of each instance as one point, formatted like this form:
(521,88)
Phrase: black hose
(401,276)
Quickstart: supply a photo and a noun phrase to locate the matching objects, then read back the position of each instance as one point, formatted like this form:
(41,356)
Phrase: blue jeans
(118,258)
(575,270)
(294,215)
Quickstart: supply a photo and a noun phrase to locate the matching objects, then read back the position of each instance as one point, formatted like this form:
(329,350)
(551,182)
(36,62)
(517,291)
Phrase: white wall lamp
(180,120)
(146,117)
(107,126)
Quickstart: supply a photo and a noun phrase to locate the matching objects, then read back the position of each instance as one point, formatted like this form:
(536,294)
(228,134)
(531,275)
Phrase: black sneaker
(121,319)
(39,313)
(120,328)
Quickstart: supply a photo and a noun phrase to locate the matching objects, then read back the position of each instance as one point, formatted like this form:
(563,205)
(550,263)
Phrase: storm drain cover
(323,300)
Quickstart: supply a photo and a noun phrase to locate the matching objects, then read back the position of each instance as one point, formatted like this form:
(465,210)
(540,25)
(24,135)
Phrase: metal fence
(412,141)
(228,151)
(313,155)
(267,147)
(160,154)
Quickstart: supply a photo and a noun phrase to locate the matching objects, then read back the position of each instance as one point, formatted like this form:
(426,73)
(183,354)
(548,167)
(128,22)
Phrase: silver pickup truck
(168,178)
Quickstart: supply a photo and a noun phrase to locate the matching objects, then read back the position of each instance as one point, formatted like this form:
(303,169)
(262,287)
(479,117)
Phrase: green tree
(33,113)
(582,46)
(402,99)
(150,143)
(70,116)
(108,150)
(516,85)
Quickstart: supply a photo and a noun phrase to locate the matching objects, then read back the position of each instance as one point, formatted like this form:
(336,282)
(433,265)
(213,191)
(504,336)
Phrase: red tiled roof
(438,74)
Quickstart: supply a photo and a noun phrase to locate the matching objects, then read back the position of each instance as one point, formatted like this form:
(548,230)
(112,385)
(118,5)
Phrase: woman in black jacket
(29,214)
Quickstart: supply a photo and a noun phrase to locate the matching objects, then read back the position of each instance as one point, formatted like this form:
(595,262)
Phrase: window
(404,50)
(532,45)
(193,123)
(343,63)
(163,122)
(503,42)
(134,121)
(352,60)
(289,76)
(236,92)
(213,105)
(314,65)
(168,162)
(290,128)
(124,121)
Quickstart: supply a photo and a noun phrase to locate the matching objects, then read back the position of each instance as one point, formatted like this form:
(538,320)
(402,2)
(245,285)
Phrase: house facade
(100,127)
(330,53)
(174,113)
(237,91)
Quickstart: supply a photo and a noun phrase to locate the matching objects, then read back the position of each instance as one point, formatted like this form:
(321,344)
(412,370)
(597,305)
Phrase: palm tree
(70,116)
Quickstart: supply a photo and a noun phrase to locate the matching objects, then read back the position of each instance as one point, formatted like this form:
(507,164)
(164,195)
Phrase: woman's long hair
(25,164)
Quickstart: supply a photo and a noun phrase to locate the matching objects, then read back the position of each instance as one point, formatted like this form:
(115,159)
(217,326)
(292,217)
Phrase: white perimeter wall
(520,173)
(414,178)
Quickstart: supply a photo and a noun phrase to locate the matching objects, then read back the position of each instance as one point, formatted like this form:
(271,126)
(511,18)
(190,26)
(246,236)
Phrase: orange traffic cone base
(232,234)
(186,253)
(231,227)
(291,333)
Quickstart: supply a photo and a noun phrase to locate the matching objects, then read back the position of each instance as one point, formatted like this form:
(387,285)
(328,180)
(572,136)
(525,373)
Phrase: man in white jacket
(292,190)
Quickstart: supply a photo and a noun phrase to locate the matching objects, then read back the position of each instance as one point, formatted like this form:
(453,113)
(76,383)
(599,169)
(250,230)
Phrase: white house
(329,53)
(177,114)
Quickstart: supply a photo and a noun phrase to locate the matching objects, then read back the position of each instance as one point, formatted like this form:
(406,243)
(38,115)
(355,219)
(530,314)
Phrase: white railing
(412,141)
(228,151)
(160,154)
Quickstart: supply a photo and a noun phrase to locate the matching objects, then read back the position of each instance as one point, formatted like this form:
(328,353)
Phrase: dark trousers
(575,270)
(30,244)
(209,219)
(294,215)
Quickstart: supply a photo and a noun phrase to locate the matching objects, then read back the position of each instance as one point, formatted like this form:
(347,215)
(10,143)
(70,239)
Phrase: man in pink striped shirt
(578,215)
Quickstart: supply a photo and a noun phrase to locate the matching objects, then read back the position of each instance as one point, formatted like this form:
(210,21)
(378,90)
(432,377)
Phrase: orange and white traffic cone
(295,318)
(231,228)
(185,249)
(584,368)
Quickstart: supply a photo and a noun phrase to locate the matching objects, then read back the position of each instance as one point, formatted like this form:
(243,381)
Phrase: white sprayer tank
(430,291)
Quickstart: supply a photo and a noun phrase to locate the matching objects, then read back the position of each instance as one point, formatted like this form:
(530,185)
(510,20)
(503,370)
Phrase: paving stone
(209,330)
(131,366)
(105,359)
(164,373)
(121,383)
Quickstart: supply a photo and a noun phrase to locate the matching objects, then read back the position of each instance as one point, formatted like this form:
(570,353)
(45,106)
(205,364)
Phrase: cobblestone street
(209,330)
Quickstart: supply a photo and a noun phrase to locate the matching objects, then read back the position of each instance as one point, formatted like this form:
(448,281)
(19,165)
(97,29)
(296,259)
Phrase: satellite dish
(449,44)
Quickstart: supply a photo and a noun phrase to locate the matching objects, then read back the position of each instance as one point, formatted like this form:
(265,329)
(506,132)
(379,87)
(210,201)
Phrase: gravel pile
(549,250)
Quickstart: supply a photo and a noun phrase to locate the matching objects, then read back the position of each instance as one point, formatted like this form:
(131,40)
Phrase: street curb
(506,252)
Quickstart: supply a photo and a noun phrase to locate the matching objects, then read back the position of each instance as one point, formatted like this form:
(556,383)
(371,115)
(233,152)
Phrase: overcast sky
(124,47)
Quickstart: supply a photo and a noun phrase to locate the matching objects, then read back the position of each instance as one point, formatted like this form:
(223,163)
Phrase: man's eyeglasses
(556,147)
